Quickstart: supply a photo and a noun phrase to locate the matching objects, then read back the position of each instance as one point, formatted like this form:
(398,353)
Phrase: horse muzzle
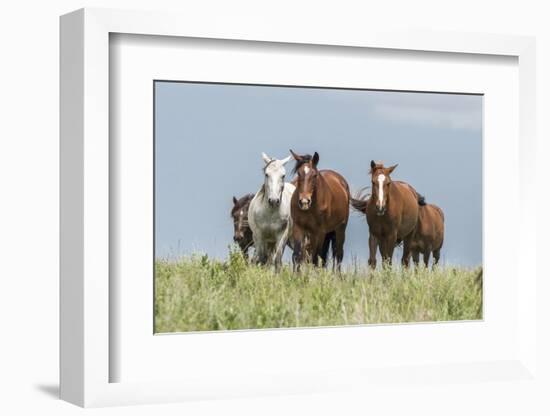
(304,204)
(274,202)
(380,210)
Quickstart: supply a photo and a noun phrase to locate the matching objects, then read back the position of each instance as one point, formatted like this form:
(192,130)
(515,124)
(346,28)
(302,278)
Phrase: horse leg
(324,250)
(265,257)
(297,253)
(416,257)
(269,253)
(405,260)
(437,254)
(260,256)
(339,238)
(259,249)
(244,249)
(297,256)
(427,253)
(389,254)
(373,244)
(384,251)
(316,242)
(388,246)
(392,241)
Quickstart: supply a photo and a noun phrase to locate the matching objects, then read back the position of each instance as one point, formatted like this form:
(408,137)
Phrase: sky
(209,139)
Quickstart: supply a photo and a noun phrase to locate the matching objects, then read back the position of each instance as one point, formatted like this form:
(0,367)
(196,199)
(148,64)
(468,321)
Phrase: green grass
(202,294)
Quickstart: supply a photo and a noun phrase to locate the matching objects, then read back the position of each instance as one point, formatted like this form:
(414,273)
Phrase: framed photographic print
(269,212)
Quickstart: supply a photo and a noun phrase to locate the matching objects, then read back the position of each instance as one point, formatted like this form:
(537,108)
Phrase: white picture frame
(86,357)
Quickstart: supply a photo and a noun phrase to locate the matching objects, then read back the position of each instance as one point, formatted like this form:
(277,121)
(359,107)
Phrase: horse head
(274,179)
(381,181)
(307,173)
(239,213)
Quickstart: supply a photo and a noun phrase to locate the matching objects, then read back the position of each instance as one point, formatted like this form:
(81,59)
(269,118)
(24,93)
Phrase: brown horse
(392,214)
(242,234)
(320,211)
(428,237)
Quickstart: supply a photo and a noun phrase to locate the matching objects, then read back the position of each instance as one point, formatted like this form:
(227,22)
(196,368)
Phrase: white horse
(269,213)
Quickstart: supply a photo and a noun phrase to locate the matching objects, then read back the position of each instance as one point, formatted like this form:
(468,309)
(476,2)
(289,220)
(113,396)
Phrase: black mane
(304,159)
(241,203)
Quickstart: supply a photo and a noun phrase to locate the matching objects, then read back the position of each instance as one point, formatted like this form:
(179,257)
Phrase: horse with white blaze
(269,213)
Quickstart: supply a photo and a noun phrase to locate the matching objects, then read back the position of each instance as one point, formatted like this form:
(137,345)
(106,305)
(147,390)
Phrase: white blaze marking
(306,170)
(381,179)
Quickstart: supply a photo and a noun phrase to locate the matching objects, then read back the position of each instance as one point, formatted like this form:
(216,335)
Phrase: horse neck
(321,192)
(394,194)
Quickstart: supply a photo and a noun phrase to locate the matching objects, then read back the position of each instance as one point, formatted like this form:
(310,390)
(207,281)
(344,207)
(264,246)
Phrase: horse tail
(359,205)
(330,238)
(283,241)
(359,201)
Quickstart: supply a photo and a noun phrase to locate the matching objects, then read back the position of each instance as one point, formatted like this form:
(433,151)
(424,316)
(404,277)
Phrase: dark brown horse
(392,214)
(319,209)
(242,234)
(428,237)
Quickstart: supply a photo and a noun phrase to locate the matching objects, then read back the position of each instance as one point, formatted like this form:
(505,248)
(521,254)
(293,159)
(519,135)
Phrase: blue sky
(209,139)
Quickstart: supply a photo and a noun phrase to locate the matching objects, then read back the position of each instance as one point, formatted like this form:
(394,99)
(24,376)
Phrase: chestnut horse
(242,234)
(320,211)
(428,237)
(392,214)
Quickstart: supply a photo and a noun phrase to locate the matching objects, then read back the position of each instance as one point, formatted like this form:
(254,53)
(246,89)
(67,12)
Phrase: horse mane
(299,163)
(241,203)
(376,167)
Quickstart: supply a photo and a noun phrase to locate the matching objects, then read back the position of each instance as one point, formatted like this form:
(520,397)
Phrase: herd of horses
(310,214)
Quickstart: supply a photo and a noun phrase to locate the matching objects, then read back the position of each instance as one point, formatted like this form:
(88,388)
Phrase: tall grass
(202,294)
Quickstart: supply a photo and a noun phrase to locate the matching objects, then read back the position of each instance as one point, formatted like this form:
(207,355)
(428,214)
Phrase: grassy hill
(202,294)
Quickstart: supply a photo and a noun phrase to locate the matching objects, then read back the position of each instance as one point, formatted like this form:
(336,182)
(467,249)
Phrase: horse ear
(391,168)
(372,164)
(235,201)
(315,159)
(266,158)
(295,156)
(286,160)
